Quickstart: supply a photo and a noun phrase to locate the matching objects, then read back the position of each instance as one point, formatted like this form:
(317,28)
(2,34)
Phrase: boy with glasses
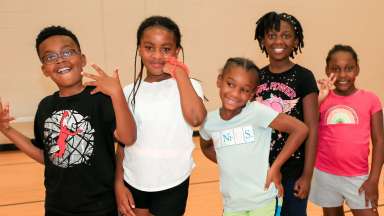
(75,129)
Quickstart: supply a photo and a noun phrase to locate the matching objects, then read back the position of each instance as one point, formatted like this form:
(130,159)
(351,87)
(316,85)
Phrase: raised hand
(5,117)
(274,176)
(105,84)
(325,85)
(173,67)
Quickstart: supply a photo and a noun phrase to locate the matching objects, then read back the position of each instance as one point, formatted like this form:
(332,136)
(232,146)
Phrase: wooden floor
(22,190)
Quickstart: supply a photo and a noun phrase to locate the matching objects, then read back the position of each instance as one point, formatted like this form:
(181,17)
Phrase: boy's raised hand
(274,175)
(325,85)
(104,83)
(5,117)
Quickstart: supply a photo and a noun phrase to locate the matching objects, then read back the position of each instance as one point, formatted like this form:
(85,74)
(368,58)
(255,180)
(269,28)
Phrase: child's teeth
(61,70)
(279,50)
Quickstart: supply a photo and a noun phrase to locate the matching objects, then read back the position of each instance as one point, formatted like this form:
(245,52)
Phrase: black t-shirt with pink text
(284,92)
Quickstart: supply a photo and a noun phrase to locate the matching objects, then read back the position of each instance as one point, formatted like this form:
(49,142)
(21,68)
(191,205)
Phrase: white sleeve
(197,86)
(203,133)
(263,114)
(127,90)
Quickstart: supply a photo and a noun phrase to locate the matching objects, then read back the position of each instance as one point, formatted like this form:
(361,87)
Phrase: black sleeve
(38,131)
(307,83)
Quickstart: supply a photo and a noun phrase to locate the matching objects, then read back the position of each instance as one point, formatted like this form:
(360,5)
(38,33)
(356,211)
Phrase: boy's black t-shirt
(284,92)
(76,134)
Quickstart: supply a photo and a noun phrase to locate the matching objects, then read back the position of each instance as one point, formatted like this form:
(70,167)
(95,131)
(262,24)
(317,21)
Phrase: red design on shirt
(64,133)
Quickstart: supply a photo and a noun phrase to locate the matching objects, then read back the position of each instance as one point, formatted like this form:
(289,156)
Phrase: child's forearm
(311,116)
(310,154)
(125,123)
(297,131)
(377,136)
(208,150)
(377,161)
(192,105)
(24,144)
(119,173)
(295,139)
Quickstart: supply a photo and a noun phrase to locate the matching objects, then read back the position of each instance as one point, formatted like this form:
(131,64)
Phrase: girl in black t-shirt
(289,88)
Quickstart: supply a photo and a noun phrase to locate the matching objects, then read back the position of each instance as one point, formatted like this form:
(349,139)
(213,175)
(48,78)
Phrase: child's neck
(228,114)
(345,93)
(72,90)
(281,66)
(156,78)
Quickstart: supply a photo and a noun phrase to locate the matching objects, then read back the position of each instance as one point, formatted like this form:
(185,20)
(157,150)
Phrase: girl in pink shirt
(349,119)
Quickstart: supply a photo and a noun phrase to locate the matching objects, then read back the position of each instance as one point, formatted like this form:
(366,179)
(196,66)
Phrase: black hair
(341,48)
(244,63)
(160,21)
(271,21)
(53,31)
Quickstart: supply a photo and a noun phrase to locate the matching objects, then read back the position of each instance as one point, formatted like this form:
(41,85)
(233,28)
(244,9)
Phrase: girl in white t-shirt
(152,177)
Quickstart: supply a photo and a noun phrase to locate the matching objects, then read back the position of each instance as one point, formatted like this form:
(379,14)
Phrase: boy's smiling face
(65,70)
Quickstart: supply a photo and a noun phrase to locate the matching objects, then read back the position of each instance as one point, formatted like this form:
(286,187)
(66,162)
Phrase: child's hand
(173,67)
(370,188)
(325,85)
(5,117)
(301,187)
(124,199)
(108,85)
(274,176)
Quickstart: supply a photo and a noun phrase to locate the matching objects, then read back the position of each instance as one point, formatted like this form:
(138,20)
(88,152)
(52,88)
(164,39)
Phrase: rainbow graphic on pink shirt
(341,114)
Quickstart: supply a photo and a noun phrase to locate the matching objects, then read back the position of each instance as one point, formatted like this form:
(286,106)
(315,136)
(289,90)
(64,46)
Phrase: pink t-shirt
(345,132)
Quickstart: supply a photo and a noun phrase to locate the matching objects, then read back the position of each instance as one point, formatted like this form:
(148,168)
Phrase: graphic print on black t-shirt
(284,92)
(284,101)
(69,138)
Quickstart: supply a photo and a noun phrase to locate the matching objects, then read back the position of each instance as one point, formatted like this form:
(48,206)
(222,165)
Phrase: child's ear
(44,70)
(357,70)
(83,60)
(327,72)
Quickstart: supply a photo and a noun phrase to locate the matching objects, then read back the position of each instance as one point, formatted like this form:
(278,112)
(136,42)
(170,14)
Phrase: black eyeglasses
(51,58)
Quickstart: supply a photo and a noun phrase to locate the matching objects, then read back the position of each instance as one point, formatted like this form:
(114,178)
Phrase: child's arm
(21,141)
(125,125)
(370,186)
(297,131)
(124,198)
(311,119)
(192,105)
(208,149)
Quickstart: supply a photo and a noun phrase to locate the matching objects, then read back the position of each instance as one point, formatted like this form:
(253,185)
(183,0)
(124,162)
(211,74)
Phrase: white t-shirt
(161,157)
(242,149)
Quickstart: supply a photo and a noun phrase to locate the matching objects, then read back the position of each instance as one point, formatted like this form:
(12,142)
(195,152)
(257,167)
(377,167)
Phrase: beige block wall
(213,30)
